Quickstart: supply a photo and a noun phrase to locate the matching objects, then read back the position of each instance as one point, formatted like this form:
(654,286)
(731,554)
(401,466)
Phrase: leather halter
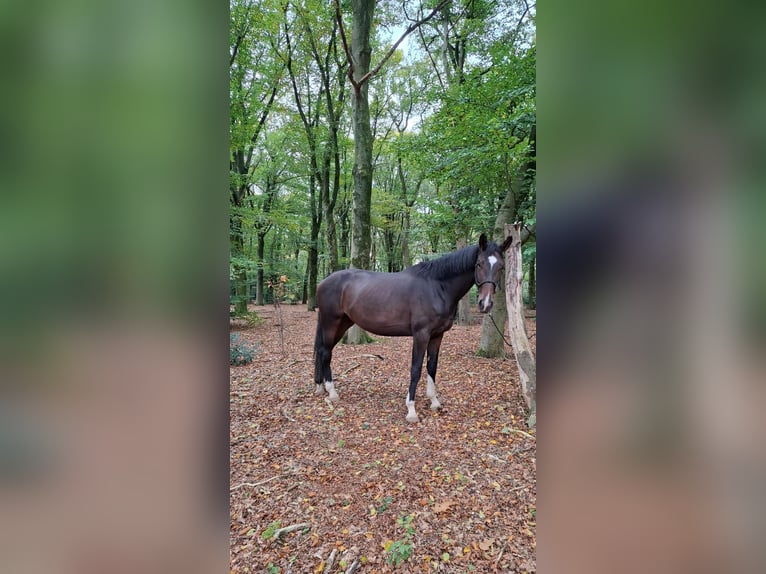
(479,284)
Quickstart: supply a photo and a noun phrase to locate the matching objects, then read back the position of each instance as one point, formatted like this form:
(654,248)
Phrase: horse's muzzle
(483,308)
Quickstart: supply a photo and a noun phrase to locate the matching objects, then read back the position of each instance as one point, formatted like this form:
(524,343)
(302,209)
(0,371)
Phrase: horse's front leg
(419,345)
(433,360)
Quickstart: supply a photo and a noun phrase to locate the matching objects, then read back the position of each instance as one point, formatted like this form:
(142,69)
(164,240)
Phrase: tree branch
(527,232)
(349,57)
(406,33)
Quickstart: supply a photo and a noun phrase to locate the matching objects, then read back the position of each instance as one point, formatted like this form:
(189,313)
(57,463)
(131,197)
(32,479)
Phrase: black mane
(455,263)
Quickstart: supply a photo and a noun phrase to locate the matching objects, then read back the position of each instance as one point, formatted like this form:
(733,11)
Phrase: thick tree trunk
(525,360)
(362,172)
(362,196)
(491,343)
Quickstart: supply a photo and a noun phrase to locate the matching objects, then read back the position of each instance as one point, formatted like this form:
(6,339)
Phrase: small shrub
(240,353)
(401,550)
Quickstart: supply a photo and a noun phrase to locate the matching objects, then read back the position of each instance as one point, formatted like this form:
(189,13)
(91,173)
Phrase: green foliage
(240,353)
(271,529)
(400,551)
(384,504)
(446,149)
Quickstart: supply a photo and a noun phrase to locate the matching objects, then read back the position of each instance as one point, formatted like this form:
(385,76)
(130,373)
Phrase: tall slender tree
(359,55)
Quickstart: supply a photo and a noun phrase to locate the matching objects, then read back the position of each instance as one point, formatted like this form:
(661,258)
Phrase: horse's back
(378,302)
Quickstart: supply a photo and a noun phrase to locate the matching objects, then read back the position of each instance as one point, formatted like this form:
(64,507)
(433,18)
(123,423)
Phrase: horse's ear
(483,242)
(506,244)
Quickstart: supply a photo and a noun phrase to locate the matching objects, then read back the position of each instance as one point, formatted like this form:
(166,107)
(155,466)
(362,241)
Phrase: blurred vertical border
(651,307)
(113,286)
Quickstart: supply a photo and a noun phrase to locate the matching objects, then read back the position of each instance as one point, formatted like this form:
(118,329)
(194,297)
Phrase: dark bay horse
(419,302)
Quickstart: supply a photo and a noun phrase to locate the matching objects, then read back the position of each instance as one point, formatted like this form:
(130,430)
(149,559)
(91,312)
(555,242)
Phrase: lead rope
(499,332)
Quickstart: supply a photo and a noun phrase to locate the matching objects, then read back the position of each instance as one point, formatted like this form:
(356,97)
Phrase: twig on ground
(254,484)
(369,356)
(289,529)
(356,366)
(353,567)
(330,562)
(499,555)
(526,434)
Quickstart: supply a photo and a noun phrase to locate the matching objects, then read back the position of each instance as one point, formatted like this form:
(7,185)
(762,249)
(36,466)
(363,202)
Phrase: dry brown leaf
(444,505)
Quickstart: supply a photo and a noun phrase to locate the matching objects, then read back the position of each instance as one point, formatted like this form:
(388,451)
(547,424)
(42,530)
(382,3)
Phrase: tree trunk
(261,248)
(312,268)
(491,343)
(344,231)
(407,205)
(362,196)
(464,305)
(517,331)
(532,289)
(406,257)
(240,279)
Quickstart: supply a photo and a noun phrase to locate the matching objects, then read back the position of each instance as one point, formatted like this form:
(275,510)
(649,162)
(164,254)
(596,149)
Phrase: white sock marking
(412,416)
(431,393)
(331,389)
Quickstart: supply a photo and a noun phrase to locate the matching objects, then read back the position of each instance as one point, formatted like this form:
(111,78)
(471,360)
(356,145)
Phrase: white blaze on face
(492,262)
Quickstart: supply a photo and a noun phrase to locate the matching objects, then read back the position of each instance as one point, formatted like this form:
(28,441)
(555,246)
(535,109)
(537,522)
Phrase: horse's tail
(318,350)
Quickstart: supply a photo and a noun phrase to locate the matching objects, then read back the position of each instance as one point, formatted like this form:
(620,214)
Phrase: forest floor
(367,491)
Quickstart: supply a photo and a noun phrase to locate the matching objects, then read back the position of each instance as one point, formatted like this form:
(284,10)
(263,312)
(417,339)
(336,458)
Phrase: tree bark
(491,343)
(362,172)
(260,253)
(525,360)
(359,72)
(316,223)
(532,290)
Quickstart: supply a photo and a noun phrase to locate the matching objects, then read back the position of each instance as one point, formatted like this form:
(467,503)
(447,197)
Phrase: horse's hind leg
(433,360)
(329,332)
(419,344)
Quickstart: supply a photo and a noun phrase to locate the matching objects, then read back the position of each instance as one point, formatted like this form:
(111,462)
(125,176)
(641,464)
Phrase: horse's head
(489,269)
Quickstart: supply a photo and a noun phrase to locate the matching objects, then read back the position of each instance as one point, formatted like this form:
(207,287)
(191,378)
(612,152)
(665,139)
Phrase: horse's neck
(459,285)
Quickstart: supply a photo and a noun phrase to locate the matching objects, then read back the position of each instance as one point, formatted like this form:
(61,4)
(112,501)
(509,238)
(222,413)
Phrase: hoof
(413,419)
(334,397)
(319,390)
(436,406)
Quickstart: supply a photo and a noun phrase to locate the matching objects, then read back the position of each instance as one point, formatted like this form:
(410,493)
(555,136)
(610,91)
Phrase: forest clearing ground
(350,469)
